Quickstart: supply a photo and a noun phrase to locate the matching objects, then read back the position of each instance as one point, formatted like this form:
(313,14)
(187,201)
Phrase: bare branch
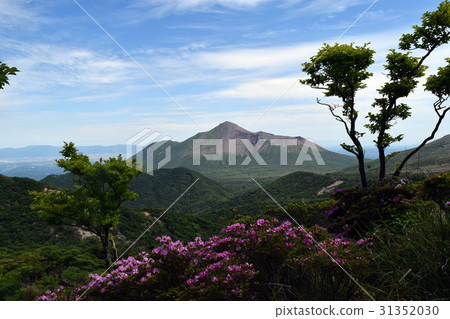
(438,105)
(429,138)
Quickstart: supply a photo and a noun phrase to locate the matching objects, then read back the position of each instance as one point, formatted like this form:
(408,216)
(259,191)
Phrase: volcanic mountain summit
(227,131)
(240,143)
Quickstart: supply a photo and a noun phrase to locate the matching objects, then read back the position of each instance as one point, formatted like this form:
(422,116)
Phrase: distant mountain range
(38,162)
(46,152)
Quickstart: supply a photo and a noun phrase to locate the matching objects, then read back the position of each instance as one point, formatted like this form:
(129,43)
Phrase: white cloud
(250,63)
(164,7)
(20,14)
(46,65)
(269,88)
(268,58)
(255,73)
(13,11)
(104,114)
(331,6)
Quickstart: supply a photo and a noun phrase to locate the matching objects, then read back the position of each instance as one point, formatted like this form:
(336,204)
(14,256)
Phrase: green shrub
(357,210)
(304,214)
(437,189)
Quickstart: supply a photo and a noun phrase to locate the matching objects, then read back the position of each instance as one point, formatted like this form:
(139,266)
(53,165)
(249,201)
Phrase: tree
(340,70)
(403,72)
(5,71)
(94,205)
(439,85)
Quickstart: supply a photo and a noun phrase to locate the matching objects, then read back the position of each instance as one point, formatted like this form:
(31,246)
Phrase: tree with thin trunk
(340,71)
(94,205)
(403,72)
(439,85)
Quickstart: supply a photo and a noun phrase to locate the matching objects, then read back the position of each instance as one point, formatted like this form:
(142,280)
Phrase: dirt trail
(329,188)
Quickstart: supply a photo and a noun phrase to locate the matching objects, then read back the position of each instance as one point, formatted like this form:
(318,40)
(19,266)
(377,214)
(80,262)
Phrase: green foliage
(433,32)
(6,71)
(27,274)
(178,225)
(358,210)
(36,256)
(305,214)
(60,181)
(20,228)
(437,189)
(403,71)
(94,205)
(439,84)
(407,261)
(340,71)
(299,186)
(32,253)
(160,189)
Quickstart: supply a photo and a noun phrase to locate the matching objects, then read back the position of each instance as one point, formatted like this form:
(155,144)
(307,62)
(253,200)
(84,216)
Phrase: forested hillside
(160,189)
(35,256)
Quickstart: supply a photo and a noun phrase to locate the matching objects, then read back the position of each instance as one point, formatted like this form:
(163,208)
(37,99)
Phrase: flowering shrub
(357,209)
(266,260)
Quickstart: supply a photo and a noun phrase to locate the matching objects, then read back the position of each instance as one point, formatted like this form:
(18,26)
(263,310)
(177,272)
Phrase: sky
(98,72)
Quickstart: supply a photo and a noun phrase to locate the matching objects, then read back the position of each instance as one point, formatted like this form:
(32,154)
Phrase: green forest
(406,222)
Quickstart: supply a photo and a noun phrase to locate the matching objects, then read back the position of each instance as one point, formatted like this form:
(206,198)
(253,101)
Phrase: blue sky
(219,60)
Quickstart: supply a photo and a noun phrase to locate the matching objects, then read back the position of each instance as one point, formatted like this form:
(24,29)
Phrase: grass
(412,258)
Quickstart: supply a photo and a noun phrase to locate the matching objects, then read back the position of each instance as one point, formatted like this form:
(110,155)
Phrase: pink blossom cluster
(49,296)
(226,267)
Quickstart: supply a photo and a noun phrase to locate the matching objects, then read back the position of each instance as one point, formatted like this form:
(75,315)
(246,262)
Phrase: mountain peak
(227,130)
(230,125)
